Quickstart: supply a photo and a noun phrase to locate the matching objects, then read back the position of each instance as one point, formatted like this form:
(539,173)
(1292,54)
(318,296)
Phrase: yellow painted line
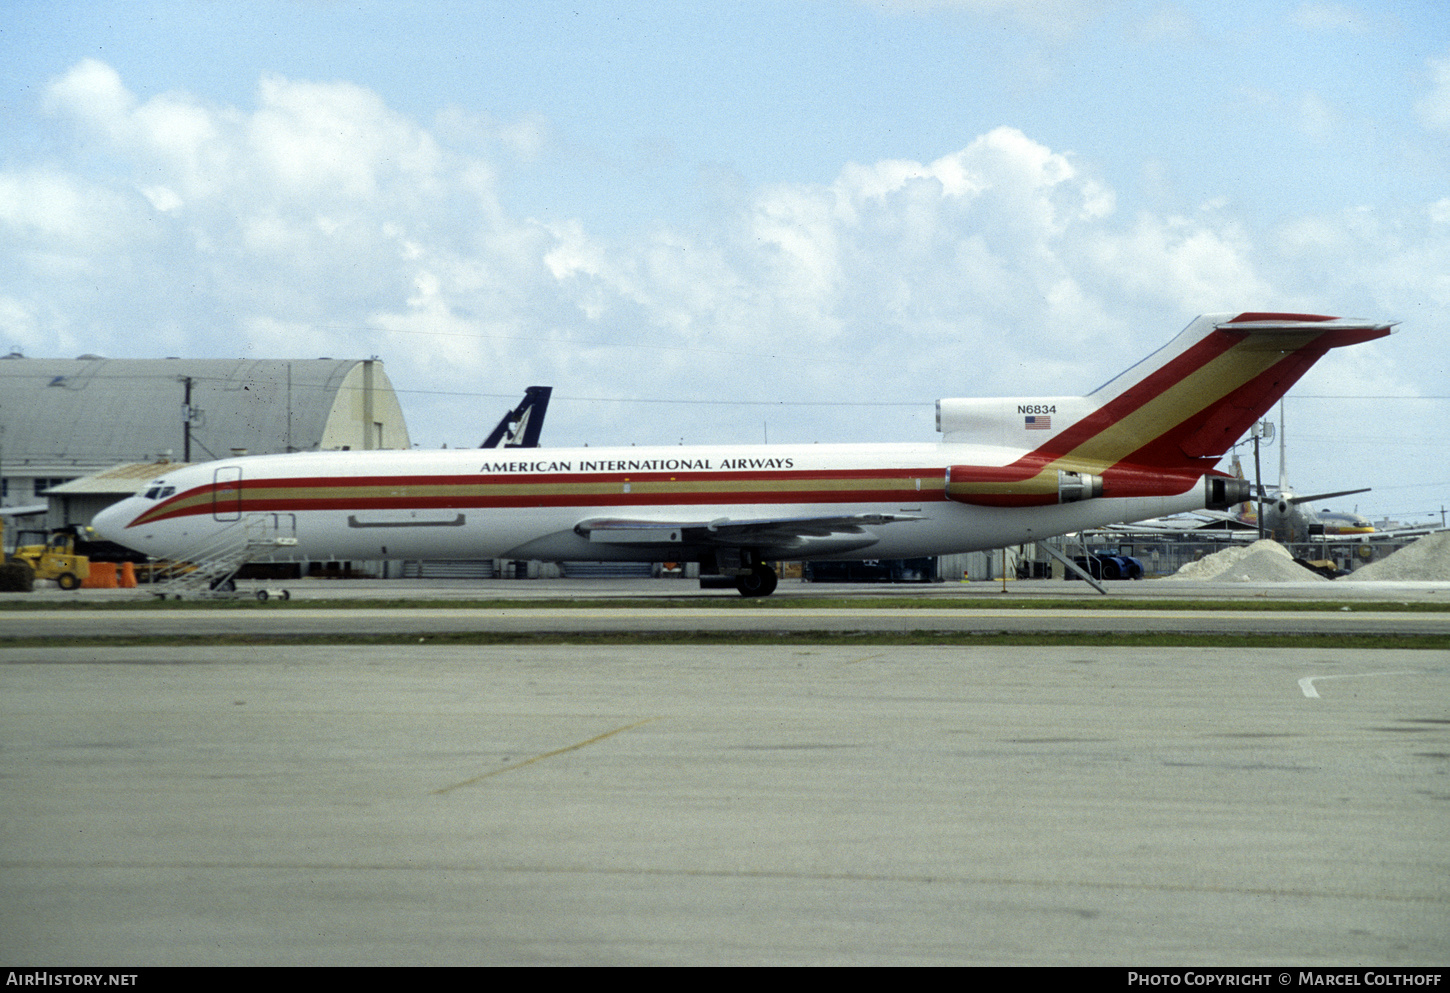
(546,755)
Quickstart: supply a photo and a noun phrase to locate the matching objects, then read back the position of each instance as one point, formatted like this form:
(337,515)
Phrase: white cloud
(1185,264)
(323,222)
(526,138)
(1052,17)
(1434,107)
(1168,23)
(58,210)
(335,140)
(1317,119)
(1323,15)
(94,92)
(163,198)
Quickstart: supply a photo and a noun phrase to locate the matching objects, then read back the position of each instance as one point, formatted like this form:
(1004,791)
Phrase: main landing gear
(742,566)
(759,581)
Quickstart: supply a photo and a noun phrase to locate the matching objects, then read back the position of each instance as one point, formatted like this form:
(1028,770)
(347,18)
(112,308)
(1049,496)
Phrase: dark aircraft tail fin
(521,426)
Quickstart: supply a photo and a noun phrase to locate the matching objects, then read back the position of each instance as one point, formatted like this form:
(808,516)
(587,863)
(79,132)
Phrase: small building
(79,500)
(64,419)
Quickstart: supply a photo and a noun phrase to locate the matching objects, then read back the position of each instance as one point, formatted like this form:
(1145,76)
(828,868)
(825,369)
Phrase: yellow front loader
(53,557)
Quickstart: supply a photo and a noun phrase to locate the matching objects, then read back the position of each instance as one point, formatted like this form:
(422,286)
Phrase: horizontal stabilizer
(1315,497)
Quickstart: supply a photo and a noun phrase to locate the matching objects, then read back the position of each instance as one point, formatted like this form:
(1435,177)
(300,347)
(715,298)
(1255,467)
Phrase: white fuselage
(530,503)
(1008,471)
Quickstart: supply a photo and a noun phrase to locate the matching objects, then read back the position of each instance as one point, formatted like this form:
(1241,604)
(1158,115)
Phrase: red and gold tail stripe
(1169,429)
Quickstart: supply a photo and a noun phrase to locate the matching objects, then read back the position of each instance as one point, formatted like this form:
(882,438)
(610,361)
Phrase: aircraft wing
(774,536)
(28,509)
(1407,531)
(1314,497)
(1198,520)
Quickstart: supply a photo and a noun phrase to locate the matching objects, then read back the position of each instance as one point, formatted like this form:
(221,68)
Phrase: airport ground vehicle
(1104,565)
(53,556)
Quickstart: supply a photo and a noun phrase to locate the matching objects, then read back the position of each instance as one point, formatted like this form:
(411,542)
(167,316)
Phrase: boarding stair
(215,562)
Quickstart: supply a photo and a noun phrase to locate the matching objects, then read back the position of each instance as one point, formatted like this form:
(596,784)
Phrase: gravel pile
(1264,561)
(1426,559)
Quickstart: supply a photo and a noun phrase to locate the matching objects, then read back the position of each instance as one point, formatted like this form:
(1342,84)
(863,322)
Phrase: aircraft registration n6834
(1006,471)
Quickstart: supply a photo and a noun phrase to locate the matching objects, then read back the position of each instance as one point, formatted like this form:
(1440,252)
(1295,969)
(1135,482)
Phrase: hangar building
(64,419)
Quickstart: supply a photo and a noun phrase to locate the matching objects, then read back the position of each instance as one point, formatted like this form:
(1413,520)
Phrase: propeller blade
(1325,496)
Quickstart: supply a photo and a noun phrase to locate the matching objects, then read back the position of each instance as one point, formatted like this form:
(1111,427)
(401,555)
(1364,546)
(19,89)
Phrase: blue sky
(713,222)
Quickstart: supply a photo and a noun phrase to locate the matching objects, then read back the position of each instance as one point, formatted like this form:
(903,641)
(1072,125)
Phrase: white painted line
(1307,683)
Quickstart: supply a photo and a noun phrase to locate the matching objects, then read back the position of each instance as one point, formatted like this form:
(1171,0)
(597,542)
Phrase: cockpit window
(156,491)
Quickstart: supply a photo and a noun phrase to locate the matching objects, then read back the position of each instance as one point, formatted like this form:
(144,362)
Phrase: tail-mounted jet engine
(1005,486)
(1008,486)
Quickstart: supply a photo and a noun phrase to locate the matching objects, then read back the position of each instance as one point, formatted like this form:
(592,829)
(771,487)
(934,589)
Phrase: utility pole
(1262,430)
(186,421)
(370,441)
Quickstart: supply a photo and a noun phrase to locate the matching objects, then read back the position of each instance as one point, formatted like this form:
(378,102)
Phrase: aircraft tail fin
(1193,398)
(1157,427)
(520,427)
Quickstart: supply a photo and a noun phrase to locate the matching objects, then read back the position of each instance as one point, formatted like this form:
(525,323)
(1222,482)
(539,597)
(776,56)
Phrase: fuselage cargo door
(226,493)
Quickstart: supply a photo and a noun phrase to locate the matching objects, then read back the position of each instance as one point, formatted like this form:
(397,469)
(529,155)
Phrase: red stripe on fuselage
(255,497)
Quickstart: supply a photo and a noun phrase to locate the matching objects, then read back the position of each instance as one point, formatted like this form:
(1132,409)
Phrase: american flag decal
(1038,422)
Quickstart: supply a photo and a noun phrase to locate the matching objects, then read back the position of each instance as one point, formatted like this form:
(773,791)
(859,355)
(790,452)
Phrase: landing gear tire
(759,581)
(262,595)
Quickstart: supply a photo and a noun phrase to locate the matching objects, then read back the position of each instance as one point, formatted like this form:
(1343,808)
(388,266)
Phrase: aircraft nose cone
(111,522)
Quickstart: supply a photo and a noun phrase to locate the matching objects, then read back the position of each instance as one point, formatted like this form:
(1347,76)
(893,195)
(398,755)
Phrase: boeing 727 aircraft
(1006,471)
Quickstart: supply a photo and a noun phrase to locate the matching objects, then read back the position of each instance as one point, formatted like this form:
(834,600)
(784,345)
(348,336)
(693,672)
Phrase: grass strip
(1435,642)
(802,603)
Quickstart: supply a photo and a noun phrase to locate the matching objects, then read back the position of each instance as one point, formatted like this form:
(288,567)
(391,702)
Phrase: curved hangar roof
(96,411)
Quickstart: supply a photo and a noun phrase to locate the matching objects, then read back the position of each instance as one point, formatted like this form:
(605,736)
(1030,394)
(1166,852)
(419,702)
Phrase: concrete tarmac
(363,590)
(566,621)
(724,805)
(637,606)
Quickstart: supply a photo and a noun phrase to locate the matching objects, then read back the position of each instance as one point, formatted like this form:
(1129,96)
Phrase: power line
(234,383)
(579,343)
